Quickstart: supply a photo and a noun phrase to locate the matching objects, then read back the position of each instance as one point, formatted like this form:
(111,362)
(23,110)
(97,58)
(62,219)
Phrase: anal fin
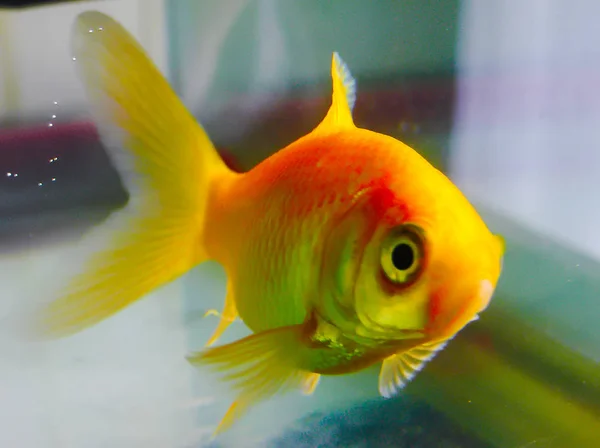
(397,370)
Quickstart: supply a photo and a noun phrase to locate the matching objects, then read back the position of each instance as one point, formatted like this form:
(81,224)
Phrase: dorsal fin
(343,98)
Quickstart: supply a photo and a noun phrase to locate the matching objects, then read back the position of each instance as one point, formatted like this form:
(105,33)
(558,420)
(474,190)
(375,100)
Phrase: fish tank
(500,96)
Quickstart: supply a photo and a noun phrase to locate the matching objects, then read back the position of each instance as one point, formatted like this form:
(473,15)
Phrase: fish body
(344,249)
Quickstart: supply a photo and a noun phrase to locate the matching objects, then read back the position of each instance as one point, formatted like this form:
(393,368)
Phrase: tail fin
(165,160)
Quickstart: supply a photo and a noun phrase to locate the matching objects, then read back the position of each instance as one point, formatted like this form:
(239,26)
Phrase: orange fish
(344,249)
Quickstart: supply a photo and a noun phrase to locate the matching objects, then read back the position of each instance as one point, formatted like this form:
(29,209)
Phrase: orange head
(410,257)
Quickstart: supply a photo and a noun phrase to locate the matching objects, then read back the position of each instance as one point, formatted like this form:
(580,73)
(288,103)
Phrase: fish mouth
(480,299)
(486,291)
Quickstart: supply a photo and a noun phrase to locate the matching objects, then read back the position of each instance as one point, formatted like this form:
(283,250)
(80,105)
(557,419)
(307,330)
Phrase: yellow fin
(259,366)
(310,383)
(164,159)
(228,315)
(339,115)
(399,369)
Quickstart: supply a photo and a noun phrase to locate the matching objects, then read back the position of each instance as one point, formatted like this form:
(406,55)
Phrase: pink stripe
(42,132)
(380,101)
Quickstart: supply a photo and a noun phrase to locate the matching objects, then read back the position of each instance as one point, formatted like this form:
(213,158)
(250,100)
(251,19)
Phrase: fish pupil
(403,257)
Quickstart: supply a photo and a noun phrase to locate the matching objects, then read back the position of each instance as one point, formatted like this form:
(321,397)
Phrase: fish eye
(402,255)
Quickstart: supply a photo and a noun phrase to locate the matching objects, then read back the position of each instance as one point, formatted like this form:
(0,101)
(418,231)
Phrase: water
(500,96)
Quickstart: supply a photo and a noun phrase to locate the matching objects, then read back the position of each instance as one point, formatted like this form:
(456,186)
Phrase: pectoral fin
(310,383)
(399,369)
(259,366)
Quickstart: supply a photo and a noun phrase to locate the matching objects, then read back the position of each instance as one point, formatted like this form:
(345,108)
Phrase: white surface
(125,382)
(4,61)
(527,139)
(38,47)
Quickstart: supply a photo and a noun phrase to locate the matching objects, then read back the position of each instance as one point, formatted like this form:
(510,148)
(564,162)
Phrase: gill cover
(392,300)
(354,293)
(342,256)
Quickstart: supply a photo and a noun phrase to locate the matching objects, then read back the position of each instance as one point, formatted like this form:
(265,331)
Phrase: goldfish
(344,249)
